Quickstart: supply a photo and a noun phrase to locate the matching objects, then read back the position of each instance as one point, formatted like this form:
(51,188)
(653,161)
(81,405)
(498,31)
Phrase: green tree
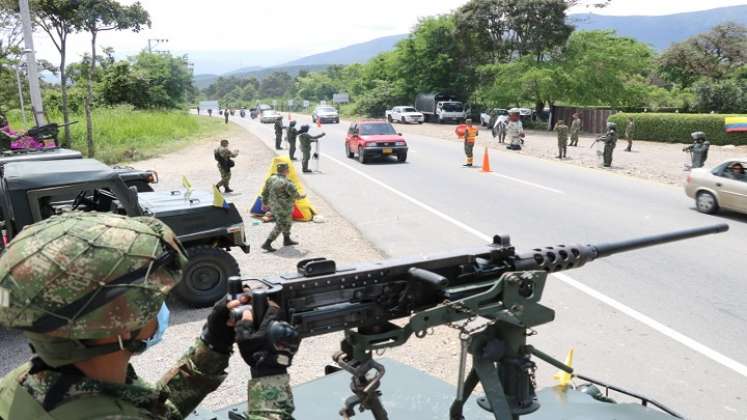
(97,16)
(276,85)
(723,96)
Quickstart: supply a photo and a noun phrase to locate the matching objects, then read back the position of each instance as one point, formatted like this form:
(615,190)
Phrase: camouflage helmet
(292,123)
(611,125)
(698,135)
(88,275)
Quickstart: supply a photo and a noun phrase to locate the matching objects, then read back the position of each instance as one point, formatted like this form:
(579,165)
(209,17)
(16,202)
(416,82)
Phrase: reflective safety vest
(470,134)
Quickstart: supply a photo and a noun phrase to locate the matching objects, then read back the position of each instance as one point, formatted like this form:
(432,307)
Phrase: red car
(374,138)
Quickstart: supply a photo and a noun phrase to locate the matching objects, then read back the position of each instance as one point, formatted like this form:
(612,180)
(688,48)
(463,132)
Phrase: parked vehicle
(440,107)
(269,116)
(31,191)
(374,138)
(325,114)
(723,187)
(404,114)
(486,116)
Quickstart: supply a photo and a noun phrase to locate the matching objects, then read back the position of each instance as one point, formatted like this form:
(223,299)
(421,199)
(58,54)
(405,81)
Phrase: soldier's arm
(266,192)
(317,137)
(198,373)
(270,398)
(293,191)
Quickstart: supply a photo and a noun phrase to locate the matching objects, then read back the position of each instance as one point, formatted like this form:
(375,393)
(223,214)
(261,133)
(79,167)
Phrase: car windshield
(453,107)
(501,112)
(409,109)
(326,109)
(377,129)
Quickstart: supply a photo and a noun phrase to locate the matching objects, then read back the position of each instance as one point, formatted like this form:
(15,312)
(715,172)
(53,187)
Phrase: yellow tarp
(303,210)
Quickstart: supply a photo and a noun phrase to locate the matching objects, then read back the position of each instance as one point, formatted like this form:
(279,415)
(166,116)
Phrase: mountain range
(658,31)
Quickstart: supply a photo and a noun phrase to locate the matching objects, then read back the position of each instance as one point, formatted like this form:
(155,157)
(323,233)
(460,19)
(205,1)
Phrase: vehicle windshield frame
(366,129)
(326,109)
(409,109)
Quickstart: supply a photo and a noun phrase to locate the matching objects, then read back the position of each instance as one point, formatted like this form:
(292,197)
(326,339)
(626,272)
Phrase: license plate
(387,151)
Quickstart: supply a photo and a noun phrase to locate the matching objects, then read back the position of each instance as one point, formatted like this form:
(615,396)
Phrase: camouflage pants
(278,140)
(225,177)
(562,147)
(468,148)
(608,148)
(283,222)
(292,148)
(306,156)
(574,139)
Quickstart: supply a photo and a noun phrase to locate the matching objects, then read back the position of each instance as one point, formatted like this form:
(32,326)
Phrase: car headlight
(400,143)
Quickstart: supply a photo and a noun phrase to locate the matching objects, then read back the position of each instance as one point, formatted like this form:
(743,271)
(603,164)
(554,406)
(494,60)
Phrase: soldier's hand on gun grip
(217,332)
(269,349)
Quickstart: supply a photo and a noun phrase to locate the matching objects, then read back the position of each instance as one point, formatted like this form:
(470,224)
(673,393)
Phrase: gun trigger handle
(434,279)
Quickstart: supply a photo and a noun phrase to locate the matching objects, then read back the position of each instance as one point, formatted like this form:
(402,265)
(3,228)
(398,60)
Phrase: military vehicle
(489,295)
(141,180)
(34,190)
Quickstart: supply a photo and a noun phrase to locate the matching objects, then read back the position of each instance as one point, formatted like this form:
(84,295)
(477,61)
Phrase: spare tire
(205,279)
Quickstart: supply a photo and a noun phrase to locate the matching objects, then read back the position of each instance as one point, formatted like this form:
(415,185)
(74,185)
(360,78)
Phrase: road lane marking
(521,181)
(638,316)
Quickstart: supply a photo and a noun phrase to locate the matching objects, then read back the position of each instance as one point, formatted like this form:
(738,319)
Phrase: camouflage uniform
(278,134)
(698,150)
(225,113)
(291,134)
(270,398)
(610,141)
(629,135)
(279,194)
(562,130)
(223,155)
(514,130)
(305,139)
(575,130)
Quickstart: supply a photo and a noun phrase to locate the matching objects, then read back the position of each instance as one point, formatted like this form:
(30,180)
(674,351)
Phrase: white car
(486,116)
(404,114)
(269,116)
(724,186)
(325,114)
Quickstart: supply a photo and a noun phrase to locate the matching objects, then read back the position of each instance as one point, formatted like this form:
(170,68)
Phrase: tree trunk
(66,142)
(89,98)
(539,108)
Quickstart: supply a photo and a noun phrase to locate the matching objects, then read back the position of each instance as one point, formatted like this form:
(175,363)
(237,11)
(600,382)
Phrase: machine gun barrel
(611,248)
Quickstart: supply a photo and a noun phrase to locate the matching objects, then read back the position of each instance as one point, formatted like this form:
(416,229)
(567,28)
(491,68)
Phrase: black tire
(420,122)
(706,203)
(348,152)
(205,278)
(389,118)
(337,121)
(402,157)
(362,156)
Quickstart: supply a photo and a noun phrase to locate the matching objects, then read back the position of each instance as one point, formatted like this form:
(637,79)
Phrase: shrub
(676,128)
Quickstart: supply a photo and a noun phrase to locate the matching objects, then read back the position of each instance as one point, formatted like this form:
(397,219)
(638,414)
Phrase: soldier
(278,133)
(225,162)
(210,112)
(198,110)
(629,127)
(575,129)
(225,114)
(96,298)
(698,150)
(610,141)
(291,135)
(562,130)
(470,136)
(279,195)
(514,130)
(306,139)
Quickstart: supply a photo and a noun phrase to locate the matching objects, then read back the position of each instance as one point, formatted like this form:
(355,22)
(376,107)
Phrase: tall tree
(99,16)
(58,19)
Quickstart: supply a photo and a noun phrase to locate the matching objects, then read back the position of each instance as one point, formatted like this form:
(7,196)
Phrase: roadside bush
(676,128)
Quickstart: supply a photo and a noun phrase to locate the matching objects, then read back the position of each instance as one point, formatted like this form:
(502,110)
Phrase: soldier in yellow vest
(470,136)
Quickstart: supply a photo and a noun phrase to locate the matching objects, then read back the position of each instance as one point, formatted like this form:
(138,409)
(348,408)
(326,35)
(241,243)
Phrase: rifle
(492,282)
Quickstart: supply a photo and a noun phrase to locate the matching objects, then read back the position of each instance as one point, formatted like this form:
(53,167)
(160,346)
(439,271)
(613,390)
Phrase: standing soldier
(629,127)
(306,139)
(279,133)
(225,162)
(210,112)
(225,114)
(698,150)
(575,129)
(470,136)
(279,195)
(198,110)
(291,135)
(562,130)
(514,130)
(610,141)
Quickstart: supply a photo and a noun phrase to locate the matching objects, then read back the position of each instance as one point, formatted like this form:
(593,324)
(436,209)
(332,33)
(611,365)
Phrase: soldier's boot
(287,241)
(227,190)
(267,246)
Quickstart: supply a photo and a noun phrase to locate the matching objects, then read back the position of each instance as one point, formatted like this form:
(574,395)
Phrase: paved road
(689,349)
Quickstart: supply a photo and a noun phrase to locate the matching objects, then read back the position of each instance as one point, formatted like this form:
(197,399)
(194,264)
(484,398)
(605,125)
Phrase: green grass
(122,134)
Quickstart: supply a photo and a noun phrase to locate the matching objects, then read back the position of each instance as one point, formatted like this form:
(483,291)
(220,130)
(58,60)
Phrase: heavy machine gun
(492,285)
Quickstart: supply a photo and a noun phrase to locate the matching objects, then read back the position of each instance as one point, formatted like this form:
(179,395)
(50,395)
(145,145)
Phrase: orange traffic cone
(485,161)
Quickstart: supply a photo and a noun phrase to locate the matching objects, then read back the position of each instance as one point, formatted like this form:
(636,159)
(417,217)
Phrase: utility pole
(33,75)
(20,95)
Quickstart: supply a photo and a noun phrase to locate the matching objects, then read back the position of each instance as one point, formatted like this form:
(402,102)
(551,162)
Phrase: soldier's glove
(268,350)
(215,333)
(316,155)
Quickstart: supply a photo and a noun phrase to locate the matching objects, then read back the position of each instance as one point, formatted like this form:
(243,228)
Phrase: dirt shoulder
(655,161)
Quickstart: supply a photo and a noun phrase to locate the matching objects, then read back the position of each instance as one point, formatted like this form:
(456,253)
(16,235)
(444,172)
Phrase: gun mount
(494,283)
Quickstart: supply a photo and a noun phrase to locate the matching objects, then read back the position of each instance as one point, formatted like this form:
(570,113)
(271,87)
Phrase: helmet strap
(58,351)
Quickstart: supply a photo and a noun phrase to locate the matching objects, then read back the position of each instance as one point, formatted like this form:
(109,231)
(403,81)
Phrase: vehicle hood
(412,114)
(158,203)
(327,113)
(383,137)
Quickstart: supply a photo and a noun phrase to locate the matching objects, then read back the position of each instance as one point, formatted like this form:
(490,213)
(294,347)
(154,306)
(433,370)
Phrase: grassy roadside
(123,135)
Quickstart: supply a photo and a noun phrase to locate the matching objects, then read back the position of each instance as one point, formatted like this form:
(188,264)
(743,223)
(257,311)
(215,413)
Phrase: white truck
(440,107)
(404,114)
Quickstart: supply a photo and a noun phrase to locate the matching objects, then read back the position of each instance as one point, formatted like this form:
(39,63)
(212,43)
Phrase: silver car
(269,116)
(724,186)
(325,114)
